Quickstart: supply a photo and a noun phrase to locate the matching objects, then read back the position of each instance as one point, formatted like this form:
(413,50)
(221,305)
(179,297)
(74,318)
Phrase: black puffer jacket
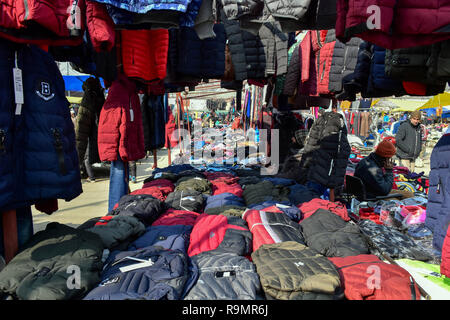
(409,141)
(144,207)
(331,236)
(325,156)
(86,128)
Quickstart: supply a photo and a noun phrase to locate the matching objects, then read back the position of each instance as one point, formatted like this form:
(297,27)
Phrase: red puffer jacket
(445,260)
(403,23)
(56,22)
(325,57)
(120,129)
(310,207)
(144,53)
(366,277)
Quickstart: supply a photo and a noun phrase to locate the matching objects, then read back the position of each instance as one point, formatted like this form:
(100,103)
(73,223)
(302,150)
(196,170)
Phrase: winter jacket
(100,26)
(219,187)
(309,208)
(86,129)
(116,232)
(291,271)
(300,194)
(439,63)
(223,201)
(416,23)
(38,156)
(37,273)
(275,44)
(409,141)
(144,207)
(176,217)
(152,108)
(224,276)
(272,227)
(202,58)
(293,73)
(326,152)
(438,213)
(194,183)
(286,208)
(445,256)
(324,60)
(377,180)
(331,236)
(157,192)
(220,234)
(169,237)
(190,200)
(395,283)
(343,63)
(167,276)
(120,130)
(35,21)
(166,185)
(264,191)
(391,242)
(144,53)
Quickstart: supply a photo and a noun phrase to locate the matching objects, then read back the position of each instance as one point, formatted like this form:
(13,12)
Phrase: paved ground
(93,202)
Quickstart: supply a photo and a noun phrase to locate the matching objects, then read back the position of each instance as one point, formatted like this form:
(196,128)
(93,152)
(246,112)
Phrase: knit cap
(385,149)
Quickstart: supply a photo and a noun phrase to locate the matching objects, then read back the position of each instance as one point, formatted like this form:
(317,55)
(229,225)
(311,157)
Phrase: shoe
(133,179)
(90,180)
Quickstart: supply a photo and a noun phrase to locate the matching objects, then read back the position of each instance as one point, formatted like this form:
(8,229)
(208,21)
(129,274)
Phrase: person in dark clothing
(409,140)
(375,170)
(133,171)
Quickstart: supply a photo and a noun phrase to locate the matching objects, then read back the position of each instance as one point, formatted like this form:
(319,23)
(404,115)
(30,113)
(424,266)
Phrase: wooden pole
(10,241)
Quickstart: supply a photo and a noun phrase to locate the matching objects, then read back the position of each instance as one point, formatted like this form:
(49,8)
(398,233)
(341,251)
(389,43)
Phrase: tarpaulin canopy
(74,83)
(403,105)
(437,101)
(75,100)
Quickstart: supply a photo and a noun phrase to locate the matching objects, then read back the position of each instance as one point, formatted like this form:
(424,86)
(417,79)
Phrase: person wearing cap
(409,140)
(375,170)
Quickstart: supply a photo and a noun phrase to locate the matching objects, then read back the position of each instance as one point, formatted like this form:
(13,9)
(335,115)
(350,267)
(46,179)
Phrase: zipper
(345,59)
(59,150)
(2,141)
(357,263)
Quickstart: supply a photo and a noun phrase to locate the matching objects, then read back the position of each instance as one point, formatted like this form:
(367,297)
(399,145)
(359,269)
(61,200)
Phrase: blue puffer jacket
(38,157)
(143,6)
(169,237)
(438,206)
(223,200)
(201,58)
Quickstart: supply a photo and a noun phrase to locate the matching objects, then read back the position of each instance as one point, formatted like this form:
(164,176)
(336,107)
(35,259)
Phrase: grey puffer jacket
(343,63)
(409,141)
(224,276)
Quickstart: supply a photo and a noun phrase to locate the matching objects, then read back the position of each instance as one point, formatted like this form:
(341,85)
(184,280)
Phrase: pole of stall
(10,241)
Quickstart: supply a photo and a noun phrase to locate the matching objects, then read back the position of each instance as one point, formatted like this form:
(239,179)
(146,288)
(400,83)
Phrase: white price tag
(131,115)
(18,85)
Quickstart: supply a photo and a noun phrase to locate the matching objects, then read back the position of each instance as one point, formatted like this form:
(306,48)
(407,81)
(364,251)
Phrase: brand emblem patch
(44,91)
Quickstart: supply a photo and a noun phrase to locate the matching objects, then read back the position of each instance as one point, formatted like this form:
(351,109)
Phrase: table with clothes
(227,233)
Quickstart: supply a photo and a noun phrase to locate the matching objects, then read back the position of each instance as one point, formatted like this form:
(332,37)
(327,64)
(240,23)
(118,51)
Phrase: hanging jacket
(324,60)
(409,141)
(120,130)
(393,283)
(416,23)
(144,53)
(152,108)
(100,26)
(202,58)
(445,256)
(86,129)
(327,150)
(38,156)
(438,213)
(345,57)
(439,63)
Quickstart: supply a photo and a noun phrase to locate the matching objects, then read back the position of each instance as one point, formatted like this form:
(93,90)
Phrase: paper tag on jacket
(18,90)
(131,115)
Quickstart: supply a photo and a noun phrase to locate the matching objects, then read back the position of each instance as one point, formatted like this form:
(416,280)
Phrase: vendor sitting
(375,170)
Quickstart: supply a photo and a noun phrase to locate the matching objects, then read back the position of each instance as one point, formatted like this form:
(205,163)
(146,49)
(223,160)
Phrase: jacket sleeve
(82,131)
(379,182)
(108,132)
(400,138)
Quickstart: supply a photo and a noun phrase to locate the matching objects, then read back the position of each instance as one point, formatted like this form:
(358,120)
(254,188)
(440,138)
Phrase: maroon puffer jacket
(403,23)
(120,129)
